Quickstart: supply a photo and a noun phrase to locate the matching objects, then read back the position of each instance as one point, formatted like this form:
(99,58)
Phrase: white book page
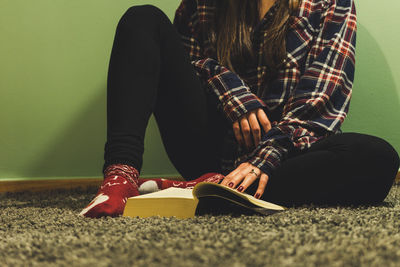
(169,193)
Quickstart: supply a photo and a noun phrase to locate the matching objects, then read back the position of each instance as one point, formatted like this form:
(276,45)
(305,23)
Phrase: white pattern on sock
(109,184)
(177,184)
(101,198)
(148,187)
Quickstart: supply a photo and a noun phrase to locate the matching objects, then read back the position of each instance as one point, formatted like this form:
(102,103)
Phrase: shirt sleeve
(318,105)
(235,97)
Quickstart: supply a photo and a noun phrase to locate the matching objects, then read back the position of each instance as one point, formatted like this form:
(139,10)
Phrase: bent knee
(149,10)
(143,13)
(377,152)
(379,147)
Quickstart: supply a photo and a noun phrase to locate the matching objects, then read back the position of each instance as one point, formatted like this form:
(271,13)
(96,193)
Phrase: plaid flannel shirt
(307,101)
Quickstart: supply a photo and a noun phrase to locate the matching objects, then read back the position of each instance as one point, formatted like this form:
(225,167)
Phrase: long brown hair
(232,29)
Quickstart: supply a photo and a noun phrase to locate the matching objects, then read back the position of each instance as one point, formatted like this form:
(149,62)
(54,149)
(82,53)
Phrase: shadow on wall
(374,107)
(79,151)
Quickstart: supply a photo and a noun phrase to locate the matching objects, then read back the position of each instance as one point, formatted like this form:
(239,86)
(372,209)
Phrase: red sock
(153,185)
(120,183)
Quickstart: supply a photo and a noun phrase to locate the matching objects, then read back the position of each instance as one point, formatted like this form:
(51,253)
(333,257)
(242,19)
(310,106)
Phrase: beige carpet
(43,229)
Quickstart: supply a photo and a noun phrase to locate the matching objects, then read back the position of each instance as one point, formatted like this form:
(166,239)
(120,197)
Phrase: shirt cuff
(236,104)
(268,164)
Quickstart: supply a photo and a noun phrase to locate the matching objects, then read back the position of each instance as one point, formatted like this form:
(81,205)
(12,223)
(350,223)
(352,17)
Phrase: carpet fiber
(43,229)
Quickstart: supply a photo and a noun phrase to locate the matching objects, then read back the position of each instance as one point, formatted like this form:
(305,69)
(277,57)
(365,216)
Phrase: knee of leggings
(143,13)
(382,152)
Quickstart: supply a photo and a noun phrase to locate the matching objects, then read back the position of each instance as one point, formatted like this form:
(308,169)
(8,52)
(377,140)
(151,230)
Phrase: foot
(120,183)
(153,185)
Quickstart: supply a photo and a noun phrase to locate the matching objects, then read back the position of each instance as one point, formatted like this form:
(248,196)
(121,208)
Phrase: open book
(204,198)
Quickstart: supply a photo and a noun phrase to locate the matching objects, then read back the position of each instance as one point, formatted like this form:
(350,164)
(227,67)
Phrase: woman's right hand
(247,128)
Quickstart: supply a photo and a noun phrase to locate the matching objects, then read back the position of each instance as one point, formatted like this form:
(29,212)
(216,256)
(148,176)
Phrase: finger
(255,128)
(236,176)
(249,179)
(232,174)
(238,134)
(261,185)
(245,127)
(263,119)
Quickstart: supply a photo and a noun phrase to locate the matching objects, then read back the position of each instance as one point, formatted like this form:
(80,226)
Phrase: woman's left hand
(245,174)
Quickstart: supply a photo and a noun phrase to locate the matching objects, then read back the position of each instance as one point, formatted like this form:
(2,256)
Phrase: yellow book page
(168,193)
(169,202)
(165,207)
(204,189)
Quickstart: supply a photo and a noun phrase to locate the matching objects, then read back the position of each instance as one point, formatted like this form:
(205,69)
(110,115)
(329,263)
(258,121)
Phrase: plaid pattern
(309,99)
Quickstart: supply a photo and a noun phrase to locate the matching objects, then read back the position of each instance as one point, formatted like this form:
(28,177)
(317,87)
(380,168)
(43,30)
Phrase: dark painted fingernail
(230,184)
(258,195)
(240,189)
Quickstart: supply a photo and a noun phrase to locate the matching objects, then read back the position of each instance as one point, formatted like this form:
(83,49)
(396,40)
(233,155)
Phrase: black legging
(150,73)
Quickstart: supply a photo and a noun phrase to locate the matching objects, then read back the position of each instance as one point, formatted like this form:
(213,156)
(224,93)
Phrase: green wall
(54,59)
